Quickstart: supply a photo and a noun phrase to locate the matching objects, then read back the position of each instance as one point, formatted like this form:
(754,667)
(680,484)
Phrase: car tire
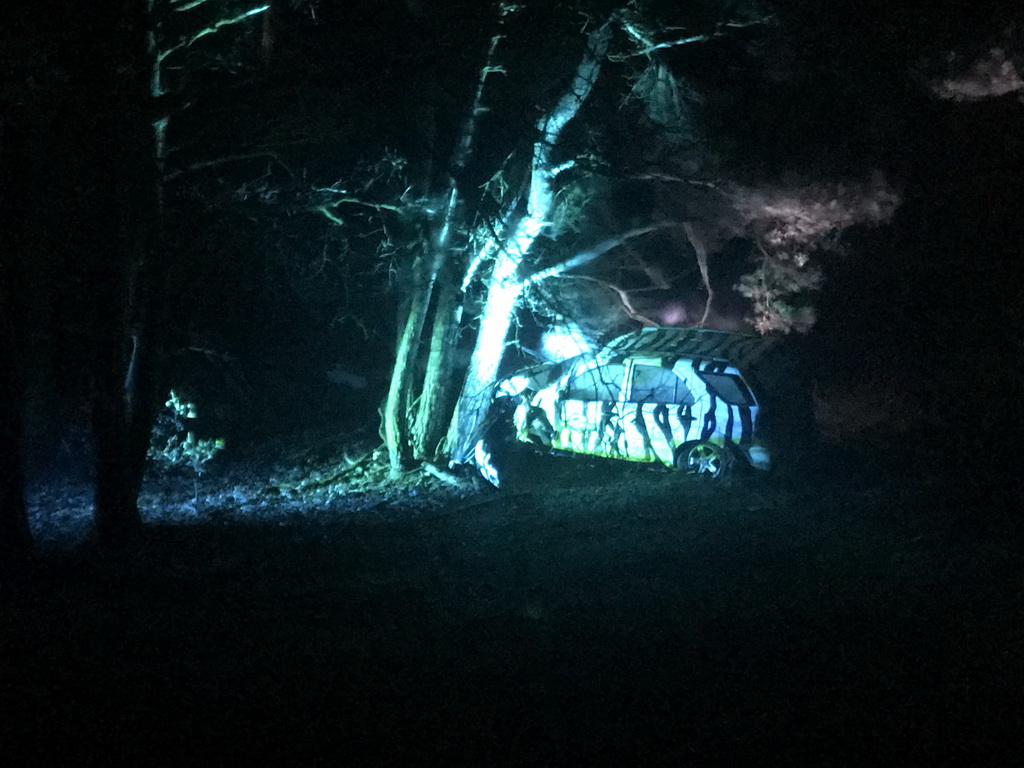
(704,459)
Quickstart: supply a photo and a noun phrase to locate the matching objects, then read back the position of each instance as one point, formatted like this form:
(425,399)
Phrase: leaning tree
(485,251)
(478,259)
(498,204)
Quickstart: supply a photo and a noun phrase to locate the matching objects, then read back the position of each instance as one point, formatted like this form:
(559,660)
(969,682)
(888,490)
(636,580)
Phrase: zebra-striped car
(672,395)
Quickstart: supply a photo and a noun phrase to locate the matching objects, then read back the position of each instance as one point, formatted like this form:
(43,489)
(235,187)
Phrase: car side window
(654,384)
(601,383)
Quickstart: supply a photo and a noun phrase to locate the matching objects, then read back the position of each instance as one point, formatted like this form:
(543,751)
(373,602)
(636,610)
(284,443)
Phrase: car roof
(739,349)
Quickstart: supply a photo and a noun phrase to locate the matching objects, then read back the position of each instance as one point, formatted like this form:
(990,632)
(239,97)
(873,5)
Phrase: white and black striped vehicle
(672,395)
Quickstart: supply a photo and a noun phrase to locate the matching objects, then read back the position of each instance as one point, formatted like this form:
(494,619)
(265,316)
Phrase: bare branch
(702,262)
(326,212)
(364,204)
(623,294)
(172,175)
(186,5)
(647,45)
(646,51)
(215,27)
(585,257)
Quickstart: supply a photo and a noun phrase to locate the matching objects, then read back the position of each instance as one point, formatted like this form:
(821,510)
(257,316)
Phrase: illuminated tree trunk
(433,413)
(506,282)
(407,435)
(396,406)
(503,294)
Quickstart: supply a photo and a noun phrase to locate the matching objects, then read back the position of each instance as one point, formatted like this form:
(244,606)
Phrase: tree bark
(127,241)
(123,412)
(506,281)
(396,406)
(439,385)
(421,439)
(15,535)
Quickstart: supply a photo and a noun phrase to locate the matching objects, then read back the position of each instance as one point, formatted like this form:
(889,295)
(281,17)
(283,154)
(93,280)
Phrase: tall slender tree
(418,432)
(15,536)
(133,106)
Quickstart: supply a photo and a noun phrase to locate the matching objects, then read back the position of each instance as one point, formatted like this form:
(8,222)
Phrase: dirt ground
(592,613)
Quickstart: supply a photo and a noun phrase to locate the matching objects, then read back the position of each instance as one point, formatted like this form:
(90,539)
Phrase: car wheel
(705,459)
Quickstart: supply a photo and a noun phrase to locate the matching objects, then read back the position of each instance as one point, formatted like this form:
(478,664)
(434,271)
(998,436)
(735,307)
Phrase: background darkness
(862,609)
(834,93)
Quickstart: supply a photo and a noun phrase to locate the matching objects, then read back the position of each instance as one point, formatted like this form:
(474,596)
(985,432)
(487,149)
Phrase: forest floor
(593,613)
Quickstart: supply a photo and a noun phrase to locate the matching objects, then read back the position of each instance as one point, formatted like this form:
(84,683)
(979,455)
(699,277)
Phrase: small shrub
(174,445)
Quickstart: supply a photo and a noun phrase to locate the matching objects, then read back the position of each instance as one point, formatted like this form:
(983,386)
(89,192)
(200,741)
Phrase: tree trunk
(396,406)
(423,438)
(115,510)
(506,282)
(439,384)
(123,412)
(125,376)
(504,290)
(15,535)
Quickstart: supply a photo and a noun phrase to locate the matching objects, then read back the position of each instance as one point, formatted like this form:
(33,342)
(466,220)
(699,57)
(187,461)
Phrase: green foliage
(173,444)
(570,203)
(772,288)
(667,101)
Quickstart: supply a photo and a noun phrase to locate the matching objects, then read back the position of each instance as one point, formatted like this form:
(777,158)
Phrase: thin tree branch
(702,261)
(623,294)
(649,46)
(172,175)
(585,257)
(215,27)
(363,203)
(184,5)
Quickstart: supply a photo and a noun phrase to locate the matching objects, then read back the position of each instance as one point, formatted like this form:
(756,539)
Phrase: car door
(588,410)
(656,397)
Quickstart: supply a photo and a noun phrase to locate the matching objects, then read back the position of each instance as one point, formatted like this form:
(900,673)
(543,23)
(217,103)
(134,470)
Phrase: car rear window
(728,387)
